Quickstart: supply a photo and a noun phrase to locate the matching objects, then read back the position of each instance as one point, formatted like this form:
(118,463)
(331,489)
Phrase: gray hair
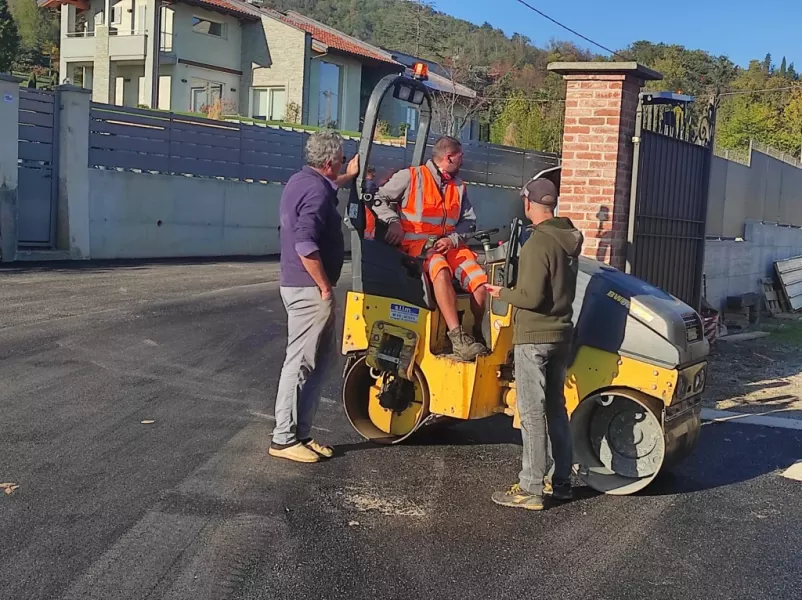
(322,147)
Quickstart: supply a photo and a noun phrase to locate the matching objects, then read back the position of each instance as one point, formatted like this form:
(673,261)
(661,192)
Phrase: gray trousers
(539,380)
(311,344)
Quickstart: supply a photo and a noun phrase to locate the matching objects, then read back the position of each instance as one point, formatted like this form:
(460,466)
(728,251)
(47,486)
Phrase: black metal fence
(673,153)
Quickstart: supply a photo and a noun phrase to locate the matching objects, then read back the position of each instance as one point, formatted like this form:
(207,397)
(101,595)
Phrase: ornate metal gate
(38,167)
(668,213)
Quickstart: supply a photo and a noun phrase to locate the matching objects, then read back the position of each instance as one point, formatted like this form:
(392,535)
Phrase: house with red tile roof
(257,62)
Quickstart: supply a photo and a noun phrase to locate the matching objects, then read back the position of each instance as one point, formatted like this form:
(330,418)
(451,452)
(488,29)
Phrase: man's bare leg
(446,298)
(464,346)
(478,304)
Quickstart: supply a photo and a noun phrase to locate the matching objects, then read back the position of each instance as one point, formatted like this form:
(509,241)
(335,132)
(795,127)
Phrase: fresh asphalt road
(192,507)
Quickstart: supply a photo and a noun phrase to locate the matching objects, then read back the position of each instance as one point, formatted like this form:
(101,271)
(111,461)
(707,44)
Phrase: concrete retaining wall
(735,267)
(9,125)
(135,215)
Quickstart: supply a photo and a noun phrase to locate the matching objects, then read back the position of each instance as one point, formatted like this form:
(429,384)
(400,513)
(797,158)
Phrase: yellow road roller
(639,357)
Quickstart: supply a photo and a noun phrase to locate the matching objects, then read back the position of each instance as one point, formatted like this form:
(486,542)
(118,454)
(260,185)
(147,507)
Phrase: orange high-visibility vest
(426,212)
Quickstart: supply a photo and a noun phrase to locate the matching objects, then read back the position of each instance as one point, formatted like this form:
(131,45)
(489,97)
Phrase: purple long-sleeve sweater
(310,222)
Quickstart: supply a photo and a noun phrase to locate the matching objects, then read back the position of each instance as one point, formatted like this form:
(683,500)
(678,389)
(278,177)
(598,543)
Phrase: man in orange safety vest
(433,203)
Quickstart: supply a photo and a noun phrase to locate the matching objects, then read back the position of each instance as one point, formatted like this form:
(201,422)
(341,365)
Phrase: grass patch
(788,332)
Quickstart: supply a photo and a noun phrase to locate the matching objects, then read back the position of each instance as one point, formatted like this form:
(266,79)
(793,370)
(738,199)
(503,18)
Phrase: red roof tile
(334,39)
(234,7)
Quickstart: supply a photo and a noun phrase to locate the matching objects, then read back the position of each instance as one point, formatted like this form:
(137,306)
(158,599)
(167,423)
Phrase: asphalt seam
(726,416)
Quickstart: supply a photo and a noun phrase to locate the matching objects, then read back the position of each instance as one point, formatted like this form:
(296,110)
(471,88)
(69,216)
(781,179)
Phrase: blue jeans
(539,380)
(311,347)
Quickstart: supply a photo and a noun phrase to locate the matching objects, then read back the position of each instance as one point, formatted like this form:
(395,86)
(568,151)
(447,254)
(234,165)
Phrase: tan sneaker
(298,453)
(324,451)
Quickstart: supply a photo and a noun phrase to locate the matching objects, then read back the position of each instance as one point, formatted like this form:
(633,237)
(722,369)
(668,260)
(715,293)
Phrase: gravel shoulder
(760,376)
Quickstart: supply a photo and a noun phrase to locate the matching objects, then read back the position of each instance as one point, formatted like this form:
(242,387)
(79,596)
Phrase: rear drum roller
(619,442)
(362,399)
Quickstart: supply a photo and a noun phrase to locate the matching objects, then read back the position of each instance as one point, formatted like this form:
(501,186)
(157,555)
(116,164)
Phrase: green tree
(783,68)
(527,123)
(9,38)
(745,119)
(39,34)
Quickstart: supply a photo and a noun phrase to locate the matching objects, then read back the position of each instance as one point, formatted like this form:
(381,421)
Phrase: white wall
(203,48)
(199,217)
(735,267)
(182,76)
(206,217)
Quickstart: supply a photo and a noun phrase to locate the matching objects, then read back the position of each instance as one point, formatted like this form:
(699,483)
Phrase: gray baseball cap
(541,191)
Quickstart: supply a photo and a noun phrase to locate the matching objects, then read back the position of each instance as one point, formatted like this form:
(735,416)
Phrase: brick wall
(597,160)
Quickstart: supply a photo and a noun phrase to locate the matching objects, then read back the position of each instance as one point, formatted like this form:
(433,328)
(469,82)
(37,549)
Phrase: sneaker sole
(309,460)
(524,506)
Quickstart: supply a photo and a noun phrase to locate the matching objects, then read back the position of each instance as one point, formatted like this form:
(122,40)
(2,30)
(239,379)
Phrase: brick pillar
(601,101)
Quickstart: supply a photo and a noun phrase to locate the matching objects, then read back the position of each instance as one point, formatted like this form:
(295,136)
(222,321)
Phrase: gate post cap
(605,68)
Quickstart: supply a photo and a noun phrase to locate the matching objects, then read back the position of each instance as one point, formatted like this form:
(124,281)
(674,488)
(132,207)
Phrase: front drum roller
(361,389)
(620,444)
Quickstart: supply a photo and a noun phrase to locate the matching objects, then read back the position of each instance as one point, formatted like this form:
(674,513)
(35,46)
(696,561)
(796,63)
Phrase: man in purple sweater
(312,255)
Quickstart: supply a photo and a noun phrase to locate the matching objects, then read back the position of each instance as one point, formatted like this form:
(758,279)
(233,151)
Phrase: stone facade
(274,54)
(103,78)
(600,109)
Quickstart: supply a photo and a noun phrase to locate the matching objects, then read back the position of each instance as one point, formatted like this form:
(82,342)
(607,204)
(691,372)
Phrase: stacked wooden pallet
(789,274)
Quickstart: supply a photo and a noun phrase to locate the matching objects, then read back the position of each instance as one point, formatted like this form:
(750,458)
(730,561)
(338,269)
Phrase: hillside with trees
(522,103)
(519,102)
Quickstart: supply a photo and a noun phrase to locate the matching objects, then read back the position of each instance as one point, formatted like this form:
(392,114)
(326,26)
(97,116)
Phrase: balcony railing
(166,42)
(122,32)
(166,39)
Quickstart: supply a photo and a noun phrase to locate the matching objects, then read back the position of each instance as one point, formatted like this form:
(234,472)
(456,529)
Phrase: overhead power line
(745,92)
(556,22)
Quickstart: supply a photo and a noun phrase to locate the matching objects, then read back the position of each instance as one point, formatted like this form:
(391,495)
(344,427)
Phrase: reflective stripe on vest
(425,211)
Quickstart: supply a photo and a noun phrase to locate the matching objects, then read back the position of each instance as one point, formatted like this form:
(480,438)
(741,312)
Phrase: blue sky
(742,30)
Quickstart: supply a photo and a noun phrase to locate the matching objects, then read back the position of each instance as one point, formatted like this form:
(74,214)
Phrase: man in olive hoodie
(542,334)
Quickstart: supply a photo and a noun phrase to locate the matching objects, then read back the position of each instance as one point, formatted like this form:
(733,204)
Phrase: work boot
(464,346)
(515,497)
(297,452)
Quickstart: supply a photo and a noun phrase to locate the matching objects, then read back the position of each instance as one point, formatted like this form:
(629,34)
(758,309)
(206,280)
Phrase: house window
(328,112)
(269,104)
(207,27)
(116,15)
(203,94)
